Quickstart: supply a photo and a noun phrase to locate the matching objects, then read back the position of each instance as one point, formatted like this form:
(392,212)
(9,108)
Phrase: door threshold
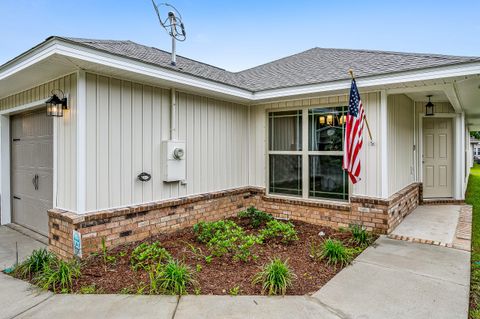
(442,201)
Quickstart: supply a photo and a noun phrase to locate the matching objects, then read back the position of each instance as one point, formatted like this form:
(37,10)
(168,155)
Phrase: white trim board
(5,169)
(457,178)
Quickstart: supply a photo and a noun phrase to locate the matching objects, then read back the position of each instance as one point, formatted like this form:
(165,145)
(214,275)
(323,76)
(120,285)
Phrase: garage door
(32,169)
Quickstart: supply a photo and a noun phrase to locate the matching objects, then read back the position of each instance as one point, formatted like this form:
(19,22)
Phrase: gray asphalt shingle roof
(317,65)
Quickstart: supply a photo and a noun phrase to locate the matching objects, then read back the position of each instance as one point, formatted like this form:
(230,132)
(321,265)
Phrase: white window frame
(305,153)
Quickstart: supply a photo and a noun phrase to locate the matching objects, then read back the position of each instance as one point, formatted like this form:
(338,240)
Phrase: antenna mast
(173,25)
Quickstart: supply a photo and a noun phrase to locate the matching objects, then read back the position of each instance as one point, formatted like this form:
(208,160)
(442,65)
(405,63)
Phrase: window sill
(321,203)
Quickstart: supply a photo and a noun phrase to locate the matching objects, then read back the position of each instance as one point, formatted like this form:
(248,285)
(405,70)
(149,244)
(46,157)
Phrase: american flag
(354,123)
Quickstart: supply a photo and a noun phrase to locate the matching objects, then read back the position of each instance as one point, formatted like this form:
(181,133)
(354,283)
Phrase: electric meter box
(173,158)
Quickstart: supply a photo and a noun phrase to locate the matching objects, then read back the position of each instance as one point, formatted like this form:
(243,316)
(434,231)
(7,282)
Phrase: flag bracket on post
(364,116)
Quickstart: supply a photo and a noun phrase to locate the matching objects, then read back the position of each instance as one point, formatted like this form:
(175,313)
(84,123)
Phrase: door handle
(35,182)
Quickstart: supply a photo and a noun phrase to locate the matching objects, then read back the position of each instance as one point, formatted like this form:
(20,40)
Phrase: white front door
(437,157)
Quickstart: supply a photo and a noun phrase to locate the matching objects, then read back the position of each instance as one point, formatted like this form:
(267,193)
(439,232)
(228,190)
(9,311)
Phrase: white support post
(462,156)
(384,144)
(81,109)
(6,216)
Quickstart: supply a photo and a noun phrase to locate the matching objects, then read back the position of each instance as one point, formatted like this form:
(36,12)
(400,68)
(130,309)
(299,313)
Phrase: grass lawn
(473,198)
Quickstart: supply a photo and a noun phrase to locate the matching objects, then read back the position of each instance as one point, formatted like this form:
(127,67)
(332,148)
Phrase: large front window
(305,153)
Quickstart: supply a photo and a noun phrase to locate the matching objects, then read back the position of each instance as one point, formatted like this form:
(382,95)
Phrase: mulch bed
(222,273)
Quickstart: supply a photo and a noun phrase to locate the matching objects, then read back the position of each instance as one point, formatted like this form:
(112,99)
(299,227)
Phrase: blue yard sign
(77,244)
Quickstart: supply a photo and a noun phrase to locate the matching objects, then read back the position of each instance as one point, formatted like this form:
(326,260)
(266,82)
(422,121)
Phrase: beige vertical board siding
(400,142)
(66,137)
(126,123)
(370,182)
(258,142)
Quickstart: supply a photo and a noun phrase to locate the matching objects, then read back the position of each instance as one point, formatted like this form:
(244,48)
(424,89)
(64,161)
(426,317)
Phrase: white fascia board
(60,47)
(125,64)
(375,81)
(24,61)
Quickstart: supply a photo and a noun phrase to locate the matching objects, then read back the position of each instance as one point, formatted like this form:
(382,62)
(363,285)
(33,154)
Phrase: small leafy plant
(172,278)
(256,216)
(106,257)
(334,252)
(277,229)
(145,255)
(360,236)
(275,277)
(91,289)
(225,236)
(58,275)
(34,264)
(234,291)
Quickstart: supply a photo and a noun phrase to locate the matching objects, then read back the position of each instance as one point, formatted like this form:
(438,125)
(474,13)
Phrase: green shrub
(172,278)
(225,236)
(58,275)
(207,231)
(334,252)
(277,229)
(145,255)
(360,236)
(256,216)
(34,264)
(275,277)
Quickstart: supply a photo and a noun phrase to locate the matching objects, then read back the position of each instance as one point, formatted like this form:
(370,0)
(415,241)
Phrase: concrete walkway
(394,279)
(441,225)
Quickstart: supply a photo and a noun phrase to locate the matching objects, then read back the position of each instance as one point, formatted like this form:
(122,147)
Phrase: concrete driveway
(394,279)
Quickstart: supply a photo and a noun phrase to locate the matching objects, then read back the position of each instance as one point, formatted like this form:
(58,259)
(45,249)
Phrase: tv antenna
(172,23)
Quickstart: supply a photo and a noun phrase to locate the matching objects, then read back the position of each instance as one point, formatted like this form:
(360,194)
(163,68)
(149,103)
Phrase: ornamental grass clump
(34,264)
(145,255)
(334,252)
(360,236)
(255,216)
(58,275)
(276,277)
(171,278)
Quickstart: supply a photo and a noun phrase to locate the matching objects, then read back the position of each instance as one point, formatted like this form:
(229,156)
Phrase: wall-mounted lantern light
(55,105)
(429,108)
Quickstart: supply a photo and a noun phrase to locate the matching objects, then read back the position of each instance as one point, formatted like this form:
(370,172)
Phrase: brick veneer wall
(134,223)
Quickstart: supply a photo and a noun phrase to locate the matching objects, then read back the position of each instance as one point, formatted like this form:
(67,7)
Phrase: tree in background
(475,135)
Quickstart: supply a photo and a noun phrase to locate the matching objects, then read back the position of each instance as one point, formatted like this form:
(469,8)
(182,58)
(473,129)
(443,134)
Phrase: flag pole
(364,116)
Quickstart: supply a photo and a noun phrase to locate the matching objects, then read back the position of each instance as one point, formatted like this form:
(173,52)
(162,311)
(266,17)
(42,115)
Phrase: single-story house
(475,148)
(145,147)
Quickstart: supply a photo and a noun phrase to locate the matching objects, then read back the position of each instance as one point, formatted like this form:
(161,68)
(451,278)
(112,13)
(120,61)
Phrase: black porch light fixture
(55,105)
(429,108)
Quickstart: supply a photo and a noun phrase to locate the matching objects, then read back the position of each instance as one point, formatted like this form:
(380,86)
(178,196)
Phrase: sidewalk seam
(30,308)
(336,312)
(176,307)
(412,272)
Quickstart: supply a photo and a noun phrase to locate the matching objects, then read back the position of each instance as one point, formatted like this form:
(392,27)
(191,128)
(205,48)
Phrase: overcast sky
(240,34)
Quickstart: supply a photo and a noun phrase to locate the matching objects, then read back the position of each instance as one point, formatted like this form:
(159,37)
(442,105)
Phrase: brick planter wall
(135,223)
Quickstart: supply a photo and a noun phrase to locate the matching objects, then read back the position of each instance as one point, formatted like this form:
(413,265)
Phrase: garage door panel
(45,182)
(44,151)
(22,183)
(32,155)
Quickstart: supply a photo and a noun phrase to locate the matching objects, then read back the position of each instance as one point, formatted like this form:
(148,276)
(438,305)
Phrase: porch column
(81,142)
(6,217)
(384,144)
